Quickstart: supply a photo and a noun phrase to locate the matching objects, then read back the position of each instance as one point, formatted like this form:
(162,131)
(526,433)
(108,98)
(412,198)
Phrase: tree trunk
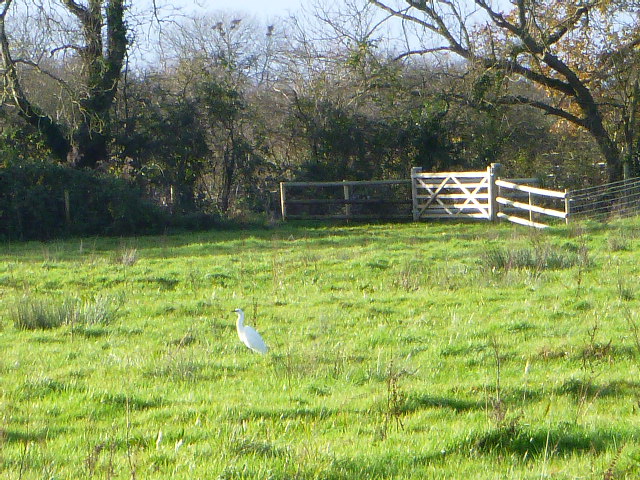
(611,156)
(103,69)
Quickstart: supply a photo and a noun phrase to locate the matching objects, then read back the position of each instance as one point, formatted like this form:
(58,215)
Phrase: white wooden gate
(451,194)
(482,195)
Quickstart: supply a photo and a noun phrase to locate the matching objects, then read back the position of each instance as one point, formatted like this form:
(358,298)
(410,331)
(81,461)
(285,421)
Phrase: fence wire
(603,202)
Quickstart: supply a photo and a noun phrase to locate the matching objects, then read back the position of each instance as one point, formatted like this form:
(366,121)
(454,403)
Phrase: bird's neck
(240,322)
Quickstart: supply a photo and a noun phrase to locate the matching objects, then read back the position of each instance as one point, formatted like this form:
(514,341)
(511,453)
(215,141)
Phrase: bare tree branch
(548,109)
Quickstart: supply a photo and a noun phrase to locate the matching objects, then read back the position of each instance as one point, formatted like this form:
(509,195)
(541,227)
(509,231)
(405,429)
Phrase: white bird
(248,335)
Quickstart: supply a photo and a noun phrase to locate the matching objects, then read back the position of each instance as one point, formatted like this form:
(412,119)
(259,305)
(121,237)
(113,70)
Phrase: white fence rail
(539,200)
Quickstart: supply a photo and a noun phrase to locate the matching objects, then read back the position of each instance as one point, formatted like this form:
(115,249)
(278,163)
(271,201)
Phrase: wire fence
(604,202)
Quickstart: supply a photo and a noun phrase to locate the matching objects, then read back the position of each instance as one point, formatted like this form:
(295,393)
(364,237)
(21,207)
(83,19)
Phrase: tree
(92,49)
(201,124)
(354,113)
(164,144)
(565,48)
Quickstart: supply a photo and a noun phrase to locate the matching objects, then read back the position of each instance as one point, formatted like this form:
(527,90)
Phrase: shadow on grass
(379,466)
(12,435)
(527,443)
(586,389)
(122,401)
(418,402)
(316,413)
(309,234)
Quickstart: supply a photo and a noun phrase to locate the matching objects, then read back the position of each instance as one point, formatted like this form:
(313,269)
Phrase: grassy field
(448,351)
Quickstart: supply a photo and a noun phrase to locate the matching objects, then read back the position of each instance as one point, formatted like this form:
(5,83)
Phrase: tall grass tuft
(41,314)
(101,310)
(127,256)
(537,258)
(31,313)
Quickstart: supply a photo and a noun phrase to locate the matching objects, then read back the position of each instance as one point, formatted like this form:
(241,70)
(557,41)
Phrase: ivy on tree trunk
(104,34)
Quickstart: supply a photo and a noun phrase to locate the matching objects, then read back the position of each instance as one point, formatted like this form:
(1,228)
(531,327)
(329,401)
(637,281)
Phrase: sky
(264,9)
(259,7)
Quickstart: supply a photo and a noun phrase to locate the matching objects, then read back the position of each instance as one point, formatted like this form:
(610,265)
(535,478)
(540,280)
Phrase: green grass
(396,351)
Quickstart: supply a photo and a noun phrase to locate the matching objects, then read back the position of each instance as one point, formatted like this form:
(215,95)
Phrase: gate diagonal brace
(471,195)
(434,195)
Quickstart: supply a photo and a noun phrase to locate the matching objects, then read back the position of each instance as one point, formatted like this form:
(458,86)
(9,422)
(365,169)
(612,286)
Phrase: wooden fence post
(347,197)
(67,207)
(414,192)
(283,201)
(567,206)
(493,171)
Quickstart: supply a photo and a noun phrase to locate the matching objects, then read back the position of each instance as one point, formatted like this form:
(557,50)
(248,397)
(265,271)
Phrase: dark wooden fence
(346,200)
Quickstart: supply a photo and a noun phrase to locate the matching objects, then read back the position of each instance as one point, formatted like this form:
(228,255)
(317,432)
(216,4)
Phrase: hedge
(43,200)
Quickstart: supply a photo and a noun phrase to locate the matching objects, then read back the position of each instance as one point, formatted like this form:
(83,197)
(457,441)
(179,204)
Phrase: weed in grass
(184,341)
(609,473)
(193,279)
(277,274)
(595,352)
(129,257)
(130,457)
(618,244)
(23,457)
(395,401)
(625,293)
(633,326)
(101,310)
(586,392)
(409,278)
(576,230)
(50,253)
(31,313)
(498,407)
(580,270)
(93,457)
